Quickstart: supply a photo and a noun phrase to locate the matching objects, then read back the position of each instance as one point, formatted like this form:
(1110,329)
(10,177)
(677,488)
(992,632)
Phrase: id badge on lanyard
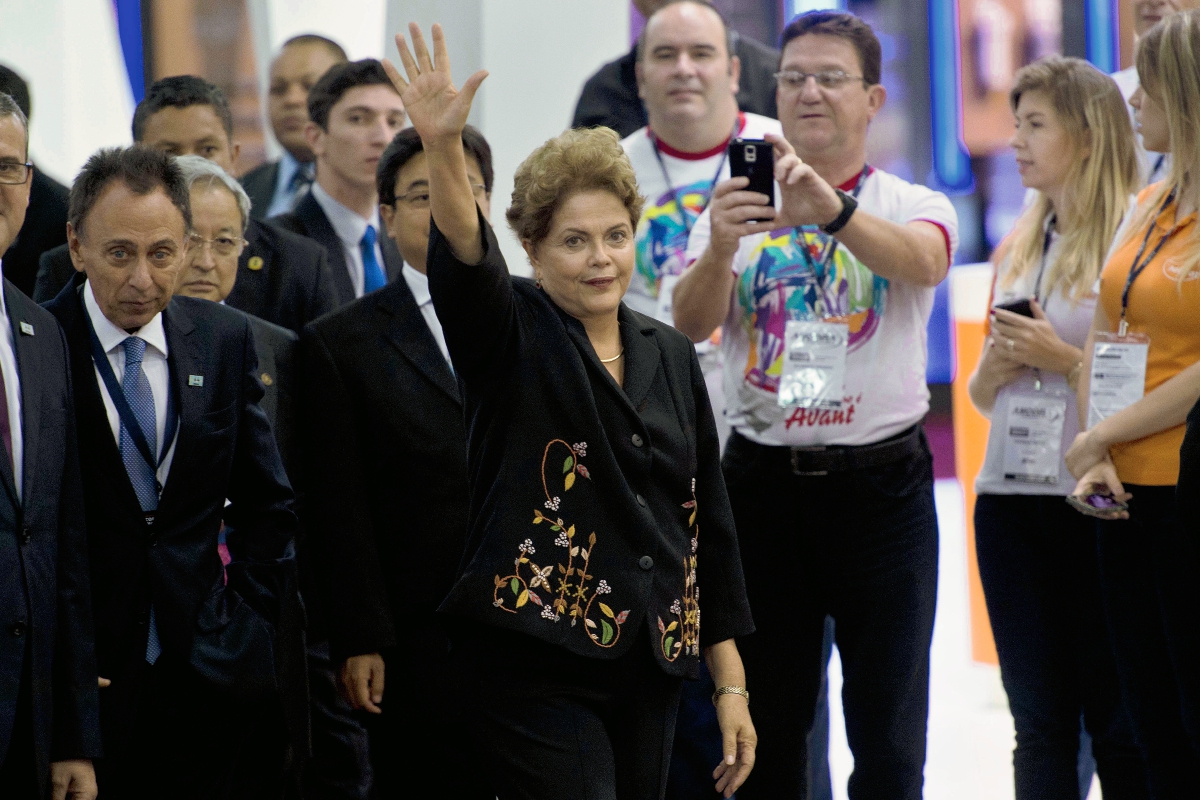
(814,364)
(1118,376)
(1033,441)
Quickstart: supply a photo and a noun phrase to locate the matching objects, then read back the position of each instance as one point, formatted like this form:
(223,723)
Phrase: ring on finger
(1010,344)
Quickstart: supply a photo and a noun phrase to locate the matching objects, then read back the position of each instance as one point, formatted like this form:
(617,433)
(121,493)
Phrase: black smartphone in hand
(754,159)
(1021,307)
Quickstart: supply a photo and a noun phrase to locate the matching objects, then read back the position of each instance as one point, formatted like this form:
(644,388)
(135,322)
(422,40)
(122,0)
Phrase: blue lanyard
(820,266)
(683,217)
(1138,266)
(100,358)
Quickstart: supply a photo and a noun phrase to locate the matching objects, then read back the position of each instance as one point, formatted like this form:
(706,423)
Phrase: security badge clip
(195,380)
(1118,374)
(814,364)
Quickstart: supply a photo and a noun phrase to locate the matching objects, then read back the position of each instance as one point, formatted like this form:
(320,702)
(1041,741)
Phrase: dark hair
(408,143)
(315,38)
(730,35)
(140,168)
(843,26)
(181,91)
(339,80)
(15,87)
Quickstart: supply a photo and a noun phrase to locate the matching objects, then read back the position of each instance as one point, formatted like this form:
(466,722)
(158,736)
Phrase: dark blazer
(281,277)
(44,584)
(610,97)
(584,525)
(224,450)
(276,348)
(45,228)
(387,458)
(259,183)
(309,220)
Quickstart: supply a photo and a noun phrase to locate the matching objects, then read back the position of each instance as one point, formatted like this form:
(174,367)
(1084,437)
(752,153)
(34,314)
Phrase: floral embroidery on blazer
(574,595)
(687,610)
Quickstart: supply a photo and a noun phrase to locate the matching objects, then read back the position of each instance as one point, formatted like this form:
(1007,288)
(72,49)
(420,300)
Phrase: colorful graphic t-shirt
(662,232)
(884,390)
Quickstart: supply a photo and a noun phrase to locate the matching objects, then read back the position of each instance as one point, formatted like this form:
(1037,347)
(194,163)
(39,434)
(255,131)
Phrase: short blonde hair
(576,161)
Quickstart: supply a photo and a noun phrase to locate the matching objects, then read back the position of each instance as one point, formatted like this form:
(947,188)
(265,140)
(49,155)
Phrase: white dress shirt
(418,283)
(12,388)
(350,228)
(284,198)
(154,364)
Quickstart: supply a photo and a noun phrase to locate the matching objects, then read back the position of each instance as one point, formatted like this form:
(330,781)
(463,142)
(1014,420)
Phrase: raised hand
(805,197)
(436,108)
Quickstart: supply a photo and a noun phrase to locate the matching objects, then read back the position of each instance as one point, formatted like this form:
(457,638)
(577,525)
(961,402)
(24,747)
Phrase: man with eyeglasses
(282,278)
(384,424)
(824,301)
(49,709)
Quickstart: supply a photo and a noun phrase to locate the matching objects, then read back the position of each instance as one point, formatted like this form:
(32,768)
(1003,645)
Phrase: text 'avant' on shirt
(662,232)
(885,390)
(1166,312)
(350,228)
(154,364)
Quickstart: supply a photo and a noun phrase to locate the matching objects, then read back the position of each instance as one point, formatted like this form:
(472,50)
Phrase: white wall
(69,53)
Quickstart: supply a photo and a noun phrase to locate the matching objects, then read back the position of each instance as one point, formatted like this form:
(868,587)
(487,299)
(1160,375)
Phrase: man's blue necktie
(300,183)
(373,277)
(136,388)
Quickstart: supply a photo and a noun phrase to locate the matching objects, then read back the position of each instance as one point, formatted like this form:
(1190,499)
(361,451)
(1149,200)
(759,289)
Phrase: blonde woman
(1037,557)
(1148,323)
(597,502)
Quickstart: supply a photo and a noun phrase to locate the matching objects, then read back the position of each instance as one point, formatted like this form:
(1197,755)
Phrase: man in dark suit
(49,711)
(387,446)
(46,220)
(191,667)
(610,97)
(355,112)
(282,278)
(274,187)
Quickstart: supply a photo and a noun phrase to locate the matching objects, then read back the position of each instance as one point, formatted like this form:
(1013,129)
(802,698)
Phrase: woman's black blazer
(595,509)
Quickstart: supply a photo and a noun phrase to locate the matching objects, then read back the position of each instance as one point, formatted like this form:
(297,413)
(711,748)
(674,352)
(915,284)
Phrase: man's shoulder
(350,323)
(637,142)
(886,190)
(300,250)
(275,337)
(262,174)
(210,318)
(613,74)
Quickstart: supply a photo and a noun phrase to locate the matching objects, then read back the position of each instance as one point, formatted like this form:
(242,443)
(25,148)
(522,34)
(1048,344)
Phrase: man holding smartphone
(824,307)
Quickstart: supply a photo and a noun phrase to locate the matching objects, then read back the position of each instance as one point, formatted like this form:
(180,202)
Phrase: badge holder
(1118,374)
(814,364)
(1033,440)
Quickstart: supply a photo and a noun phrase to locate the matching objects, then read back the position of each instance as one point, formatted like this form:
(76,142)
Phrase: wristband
(731,690)
(849,206)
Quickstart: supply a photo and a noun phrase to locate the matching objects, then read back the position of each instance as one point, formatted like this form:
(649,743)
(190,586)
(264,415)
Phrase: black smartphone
(754,159)
(1021,307)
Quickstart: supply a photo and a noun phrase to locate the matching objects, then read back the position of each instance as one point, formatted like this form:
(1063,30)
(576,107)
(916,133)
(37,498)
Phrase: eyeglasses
(14,172)
(221,245)
(419,198)
(829,79)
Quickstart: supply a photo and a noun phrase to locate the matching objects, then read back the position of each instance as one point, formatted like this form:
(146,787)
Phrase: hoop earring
(537,282)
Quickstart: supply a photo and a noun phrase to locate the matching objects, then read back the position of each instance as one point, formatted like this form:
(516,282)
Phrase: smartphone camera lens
(751,154)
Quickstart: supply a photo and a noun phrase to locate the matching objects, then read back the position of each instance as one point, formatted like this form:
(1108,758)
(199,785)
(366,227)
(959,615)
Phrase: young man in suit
(275,187)
(173,444)
(354,112)
(49,711)
(339,767)
(45,224)
(384,424)
(282,278)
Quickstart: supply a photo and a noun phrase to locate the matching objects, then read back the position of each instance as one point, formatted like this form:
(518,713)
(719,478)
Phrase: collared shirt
(350,228)
(418,284)
(284,197)
(154,364)
(12,388)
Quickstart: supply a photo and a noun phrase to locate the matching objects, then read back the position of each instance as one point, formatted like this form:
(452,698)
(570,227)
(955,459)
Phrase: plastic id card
(1033,441)
(814,364)
(1118,377)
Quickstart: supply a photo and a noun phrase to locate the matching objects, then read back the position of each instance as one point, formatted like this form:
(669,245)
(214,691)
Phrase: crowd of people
(305,496)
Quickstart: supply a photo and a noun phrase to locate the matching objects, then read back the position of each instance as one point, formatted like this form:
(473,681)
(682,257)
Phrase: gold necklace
(614,358)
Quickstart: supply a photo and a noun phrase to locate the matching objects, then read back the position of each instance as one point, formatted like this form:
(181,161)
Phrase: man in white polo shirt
(824,307)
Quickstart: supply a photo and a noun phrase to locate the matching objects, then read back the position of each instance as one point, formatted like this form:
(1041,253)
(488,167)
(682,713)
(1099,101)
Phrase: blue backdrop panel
(942,357)
(129,29)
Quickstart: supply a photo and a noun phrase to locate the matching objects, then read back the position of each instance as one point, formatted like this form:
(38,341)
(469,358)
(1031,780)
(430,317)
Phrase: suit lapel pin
(195,380)
(26,329)
(255,263)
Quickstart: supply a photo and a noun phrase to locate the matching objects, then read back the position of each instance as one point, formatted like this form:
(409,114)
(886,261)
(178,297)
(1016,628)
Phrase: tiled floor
(970,729)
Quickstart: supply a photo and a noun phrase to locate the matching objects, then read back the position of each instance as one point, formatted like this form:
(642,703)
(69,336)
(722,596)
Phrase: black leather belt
(823,460)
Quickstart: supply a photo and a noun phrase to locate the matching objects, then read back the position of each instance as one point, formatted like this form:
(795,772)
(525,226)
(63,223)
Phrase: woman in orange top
(1150,567)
